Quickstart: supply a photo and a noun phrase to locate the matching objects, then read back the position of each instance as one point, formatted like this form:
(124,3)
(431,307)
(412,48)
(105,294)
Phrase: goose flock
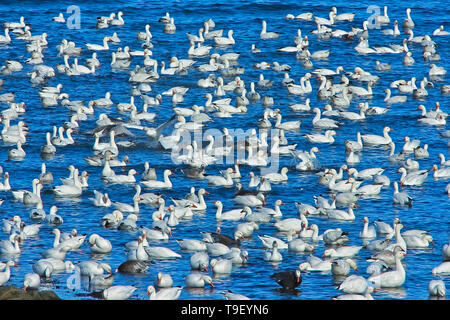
(158,159)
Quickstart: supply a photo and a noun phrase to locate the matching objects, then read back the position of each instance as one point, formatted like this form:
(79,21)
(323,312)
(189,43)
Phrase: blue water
(431,204)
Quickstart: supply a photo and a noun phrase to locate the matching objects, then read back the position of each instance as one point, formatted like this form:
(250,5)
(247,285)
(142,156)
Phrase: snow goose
(368,232)
(118,292)
(224,41)
(98,47)
(264,35)
(378,140)
(341,214)
(341,267)
(119,21)
(157,234)
(122,178)
(323,123)
(129,223)
(444,163)
(394,278)
(273,255)
(443,268)
(99,244)
(69,190)
(163,280)
(354,284)
(191,244)
(441,173)
(111,220)
(289,224)
(401,198)
(5,275)
(436,288)
(342,252)
(409,145)
(155,184)
(436,71)
(198,280)
(170,27)
(234,215)
(421,152)
(440,31)
(414,178)
(164,293)
(408,23)
(395,99)
(321,138)
(335,236)
(354,145)
(31,281)
(11,246)
(314,263)
(221,266)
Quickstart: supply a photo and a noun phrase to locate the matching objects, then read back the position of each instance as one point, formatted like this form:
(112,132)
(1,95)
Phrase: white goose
(378,140)
(164,293)
(223,41)
(99,244)
(156,184)
(391,279)
(233,215)
(69,190)
(264,35)
(98,47)
(323,123)
(5,275)
(122,178)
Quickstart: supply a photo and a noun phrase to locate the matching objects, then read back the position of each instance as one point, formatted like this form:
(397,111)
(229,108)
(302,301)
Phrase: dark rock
(13,293)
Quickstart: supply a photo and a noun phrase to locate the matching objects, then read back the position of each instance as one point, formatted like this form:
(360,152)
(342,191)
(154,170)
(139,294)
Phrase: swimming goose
(394,278)
(413,178)
(368,232)
(99,244)
(264,35)
(69,190)
(169,27)
(18,153)
(321,138)
(436,71)
(323,123)
(98,47)
(234,215)
(408,23)
(273,255)
(341,214)
(155,184)
(118,292)
(11,246)
(342,252)
(421,152)
(436,288)
(287,125)
(164,293)
(440,31)
(392,32)
(198,280)
(5,275)
(224,41)
(354,145)
(119,21)
(378,140)
(391,100)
